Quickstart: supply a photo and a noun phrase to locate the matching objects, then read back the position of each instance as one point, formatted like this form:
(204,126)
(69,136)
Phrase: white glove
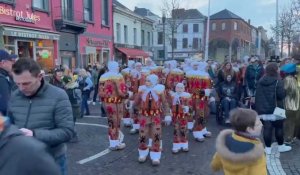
(130,94)
(168,120)
(185,109)
(212,99)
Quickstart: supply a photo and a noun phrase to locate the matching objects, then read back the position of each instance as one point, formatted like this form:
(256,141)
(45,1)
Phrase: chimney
(249,21)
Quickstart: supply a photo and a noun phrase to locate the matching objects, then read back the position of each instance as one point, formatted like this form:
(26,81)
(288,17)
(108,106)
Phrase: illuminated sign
(20,15)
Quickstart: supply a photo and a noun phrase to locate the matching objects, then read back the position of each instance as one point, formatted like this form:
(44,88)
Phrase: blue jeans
(228,105)
(84,102)
(61,161)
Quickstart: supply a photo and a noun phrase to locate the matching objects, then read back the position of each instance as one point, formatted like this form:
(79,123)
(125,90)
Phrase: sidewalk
(290,161)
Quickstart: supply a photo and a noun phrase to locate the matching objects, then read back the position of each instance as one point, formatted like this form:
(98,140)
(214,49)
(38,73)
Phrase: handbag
(278,112)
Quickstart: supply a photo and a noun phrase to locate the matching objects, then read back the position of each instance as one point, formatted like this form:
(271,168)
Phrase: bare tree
(175,16)
(287,27)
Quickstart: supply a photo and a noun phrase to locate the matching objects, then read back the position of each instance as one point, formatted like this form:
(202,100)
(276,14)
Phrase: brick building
(230,36)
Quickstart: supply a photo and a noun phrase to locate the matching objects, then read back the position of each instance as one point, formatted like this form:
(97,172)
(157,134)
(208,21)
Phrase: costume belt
(149,113)
(112,100)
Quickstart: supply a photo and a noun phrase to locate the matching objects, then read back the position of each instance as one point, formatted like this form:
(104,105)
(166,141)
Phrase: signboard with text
(20,15)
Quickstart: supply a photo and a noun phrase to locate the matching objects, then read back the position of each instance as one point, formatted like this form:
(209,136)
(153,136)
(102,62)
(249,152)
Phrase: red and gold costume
(113,91)
(180,105)
(198,84)
(151,105)
(128,81)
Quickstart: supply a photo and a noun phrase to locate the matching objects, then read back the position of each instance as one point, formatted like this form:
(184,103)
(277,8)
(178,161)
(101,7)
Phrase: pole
(277,33)
(164,33)
(207,32)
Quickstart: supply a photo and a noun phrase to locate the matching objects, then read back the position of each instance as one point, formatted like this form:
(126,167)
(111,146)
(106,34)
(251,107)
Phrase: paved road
(94,142)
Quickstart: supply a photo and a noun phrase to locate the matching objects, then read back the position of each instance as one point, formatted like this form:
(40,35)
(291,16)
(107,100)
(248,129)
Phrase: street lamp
(164,40)
(207,32)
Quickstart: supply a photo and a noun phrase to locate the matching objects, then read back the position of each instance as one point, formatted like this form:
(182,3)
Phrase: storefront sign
(20,15)
(29,34)
(103,43)
(178,55)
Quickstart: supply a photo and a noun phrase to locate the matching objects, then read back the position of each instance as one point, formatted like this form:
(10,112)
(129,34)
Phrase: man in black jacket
(6,81)
(21,155)
(41,110)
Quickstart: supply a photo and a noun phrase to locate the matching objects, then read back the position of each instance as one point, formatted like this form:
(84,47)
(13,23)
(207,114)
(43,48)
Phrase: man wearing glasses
(6,81)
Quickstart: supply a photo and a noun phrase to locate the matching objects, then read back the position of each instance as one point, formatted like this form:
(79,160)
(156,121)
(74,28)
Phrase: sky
(260,12)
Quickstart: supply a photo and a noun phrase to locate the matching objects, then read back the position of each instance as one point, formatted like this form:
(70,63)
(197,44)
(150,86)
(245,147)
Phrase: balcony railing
(68,14)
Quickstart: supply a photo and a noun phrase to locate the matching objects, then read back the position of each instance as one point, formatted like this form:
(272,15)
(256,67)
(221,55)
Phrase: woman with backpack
(85,85)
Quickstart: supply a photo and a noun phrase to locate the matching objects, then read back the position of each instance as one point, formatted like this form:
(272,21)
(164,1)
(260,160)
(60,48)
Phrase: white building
(131,32)
(189,32)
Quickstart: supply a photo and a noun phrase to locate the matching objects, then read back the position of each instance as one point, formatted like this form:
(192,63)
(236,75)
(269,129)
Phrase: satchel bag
(278,112)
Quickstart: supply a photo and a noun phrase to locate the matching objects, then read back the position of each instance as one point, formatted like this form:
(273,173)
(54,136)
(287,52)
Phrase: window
(185,28)
(105,12)
(118,32)
(67,10)
(159,38)
(8,1)
(195,28)
(184,43)
(148,38)
(223,26)
(125,34)
(214,26)
(143,37)
(235,26)
(41,4)
(161,54)
(195,43)
(88,12)
(134,36)
(174,43)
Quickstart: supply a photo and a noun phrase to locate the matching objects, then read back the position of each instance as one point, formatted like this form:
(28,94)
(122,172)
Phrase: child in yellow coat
(240,151)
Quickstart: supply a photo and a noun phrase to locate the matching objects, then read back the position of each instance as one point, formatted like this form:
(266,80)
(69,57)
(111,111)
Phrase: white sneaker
(268,150)
(284,148)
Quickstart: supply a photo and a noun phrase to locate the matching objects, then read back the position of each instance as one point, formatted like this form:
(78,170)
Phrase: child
(240,151)
(180,105)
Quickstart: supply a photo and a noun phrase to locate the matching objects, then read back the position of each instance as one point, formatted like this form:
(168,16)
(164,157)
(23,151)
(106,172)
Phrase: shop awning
(133,53)
(29,33)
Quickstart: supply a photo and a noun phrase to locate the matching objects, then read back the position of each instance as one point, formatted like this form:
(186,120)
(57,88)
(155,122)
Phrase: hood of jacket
(7,131)
(238,149)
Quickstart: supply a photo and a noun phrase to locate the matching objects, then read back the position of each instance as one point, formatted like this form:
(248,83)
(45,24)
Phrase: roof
(143,12)
(225,14)
(117,3)
(187,14)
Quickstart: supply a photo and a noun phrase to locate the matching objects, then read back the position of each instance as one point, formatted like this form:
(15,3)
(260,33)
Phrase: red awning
(133,53)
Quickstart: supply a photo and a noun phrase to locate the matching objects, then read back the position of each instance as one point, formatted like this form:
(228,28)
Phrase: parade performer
(138,78)
(198,84)
(113,91)
(180,106)
(175,76)
(150,103)
(128,81)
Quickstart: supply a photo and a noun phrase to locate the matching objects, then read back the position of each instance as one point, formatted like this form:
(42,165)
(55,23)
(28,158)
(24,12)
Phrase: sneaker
(185,149)
(284,148)
(133,131)
(268,150)
(155,162)
(119,147)
(175,151)
(142,159)
(227,121)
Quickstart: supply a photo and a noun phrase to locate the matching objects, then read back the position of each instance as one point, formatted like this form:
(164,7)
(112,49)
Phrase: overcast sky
(260,12)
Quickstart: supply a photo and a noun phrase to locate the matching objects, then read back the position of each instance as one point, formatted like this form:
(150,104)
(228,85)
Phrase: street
(93,140)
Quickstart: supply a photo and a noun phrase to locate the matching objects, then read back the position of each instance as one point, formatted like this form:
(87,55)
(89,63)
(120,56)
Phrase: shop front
(32,43)
(126,54)
(95,51)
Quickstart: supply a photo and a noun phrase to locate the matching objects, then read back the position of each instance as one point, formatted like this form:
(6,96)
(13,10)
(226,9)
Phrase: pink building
(28,30)
(86,32)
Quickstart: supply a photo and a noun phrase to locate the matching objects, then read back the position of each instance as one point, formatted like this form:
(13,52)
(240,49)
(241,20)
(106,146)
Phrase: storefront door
(25,48)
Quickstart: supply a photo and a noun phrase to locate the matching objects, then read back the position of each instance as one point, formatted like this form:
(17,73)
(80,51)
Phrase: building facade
(28,31)
(132,33)
(86,32)
(229,36)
